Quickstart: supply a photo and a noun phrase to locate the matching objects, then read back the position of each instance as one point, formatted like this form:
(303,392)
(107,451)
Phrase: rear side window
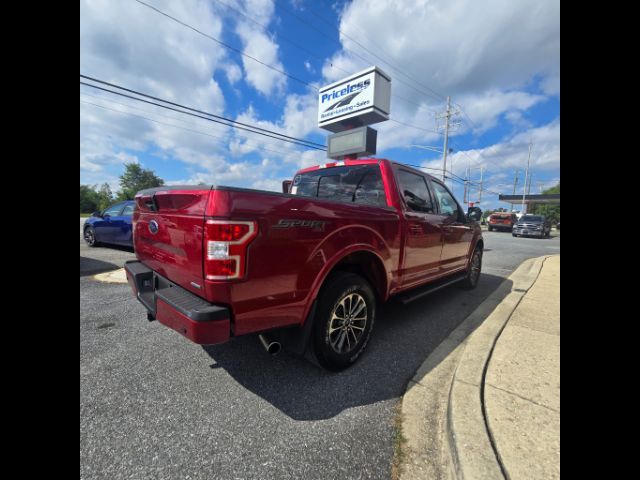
(446,203)
(113,210)
(415,192)
(359,184)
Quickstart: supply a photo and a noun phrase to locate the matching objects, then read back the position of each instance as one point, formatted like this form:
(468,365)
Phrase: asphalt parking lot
(153,405)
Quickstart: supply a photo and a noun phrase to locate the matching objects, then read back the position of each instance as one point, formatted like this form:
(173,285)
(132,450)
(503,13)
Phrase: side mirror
(286,184)
(96,214)
(474,214)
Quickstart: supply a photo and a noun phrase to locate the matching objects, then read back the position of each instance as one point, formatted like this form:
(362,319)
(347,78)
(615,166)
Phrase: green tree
(104,196)
(136,178)
(88,199)
(552,212)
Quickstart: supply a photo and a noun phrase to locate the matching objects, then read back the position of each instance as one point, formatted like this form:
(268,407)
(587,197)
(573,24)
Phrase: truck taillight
(226,245)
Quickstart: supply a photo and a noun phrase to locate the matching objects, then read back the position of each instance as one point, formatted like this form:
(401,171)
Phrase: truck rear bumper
(173,306)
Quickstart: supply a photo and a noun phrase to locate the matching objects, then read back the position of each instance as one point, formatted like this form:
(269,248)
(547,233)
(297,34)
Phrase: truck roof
(362,161)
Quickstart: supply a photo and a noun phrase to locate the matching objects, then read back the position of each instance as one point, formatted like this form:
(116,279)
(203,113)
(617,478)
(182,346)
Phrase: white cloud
(297,120)
(483,54)
(259,45)
(485,108)
(551,85)
(502,159)
(128,44)
(233,72)
(462,46)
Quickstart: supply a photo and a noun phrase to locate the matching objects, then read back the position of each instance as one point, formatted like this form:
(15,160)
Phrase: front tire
(490,229)
(473,273)
(90,237)
(344,320)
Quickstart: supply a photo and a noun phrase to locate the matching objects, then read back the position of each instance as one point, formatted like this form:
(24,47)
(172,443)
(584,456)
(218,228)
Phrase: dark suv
(532,225)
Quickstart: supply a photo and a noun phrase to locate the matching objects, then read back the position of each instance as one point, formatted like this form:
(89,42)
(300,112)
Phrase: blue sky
(498,60)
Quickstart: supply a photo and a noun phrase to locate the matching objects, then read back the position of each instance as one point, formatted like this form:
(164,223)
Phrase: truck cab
(303,268)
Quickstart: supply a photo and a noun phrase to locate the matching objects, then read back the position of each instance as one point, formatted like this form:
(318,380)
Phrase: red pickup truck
(303,268)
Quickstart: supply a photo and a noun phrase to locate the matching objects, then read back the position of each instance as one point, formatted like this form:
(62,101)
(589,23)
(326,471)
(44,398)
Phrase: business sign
(355,142)
(362,99)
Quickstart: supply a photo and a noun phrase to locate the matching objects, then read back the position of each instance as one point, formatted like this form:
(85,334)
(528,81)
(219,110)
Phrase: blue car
(112,225)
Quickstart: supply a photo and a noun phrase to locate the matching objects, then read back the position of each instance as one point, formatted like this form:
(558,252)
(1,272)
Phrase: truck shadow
(91,266)
(404,335)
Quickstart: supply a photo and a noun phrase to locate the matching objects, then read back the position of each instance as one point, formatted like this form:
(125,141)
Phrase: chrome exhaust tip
(271,346)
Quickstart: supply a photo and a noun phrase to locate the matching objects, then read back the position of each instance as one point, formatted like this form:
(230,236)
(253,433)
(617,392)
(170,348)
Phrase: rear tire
(473,273)
(90,237)
(343,321)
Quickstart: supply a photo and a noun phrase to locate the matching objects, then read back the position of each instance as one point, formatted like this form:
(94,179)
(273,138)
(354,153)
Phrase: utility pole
(515,182)
(446,138)
(466,187)
(481,175)
(526,177)
(447,115)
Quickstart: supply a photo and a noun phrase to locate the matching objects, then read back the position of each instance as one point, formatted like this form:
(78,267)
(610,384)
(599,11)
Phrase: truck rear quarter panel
(299,241)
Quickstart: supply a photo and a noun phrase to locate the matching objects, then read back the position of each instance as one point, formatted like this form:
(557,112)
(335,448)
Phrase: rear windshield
(361,184)
(497,215)
(531,218)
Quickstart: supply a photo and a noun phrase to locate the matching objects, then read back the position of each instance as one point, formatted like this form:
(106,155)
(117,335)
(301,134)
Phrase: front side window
(359,184)
(128,210)
(113,210)
(446,203)
(415,192)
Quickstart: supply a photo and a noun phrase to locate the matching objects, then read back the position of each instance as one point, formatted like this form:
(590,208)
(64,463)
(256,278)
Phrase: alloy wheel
(348,322)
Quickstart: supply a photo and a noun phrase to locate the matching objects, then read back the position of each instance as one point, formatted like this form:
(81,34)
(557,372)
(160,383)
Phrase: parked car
(502,221)
(111,226)
(533,226)
(301,268)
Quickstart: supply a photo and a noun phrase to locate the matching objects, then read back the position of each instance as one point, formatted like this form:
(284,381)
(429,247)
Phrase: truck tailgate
(168,233)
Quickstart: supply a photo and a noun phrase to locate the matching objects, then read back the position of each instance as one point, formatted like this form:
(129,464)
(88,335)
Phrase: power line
(200,116)
(282,37)
(304,49)
(180,127)
(366,60)
(186,25)
(225,120)
(255,59)
(226,45)
(129,106)
(415,126)
(437,95)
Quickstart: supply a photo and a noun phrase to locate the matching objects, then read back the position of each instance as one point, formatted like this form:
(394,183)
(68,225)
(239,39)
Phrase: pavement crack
(523,398)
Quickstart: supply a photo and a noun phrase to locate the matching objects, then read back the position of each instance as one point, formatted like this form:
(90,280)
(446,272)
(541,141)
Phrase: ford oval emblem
(153,227)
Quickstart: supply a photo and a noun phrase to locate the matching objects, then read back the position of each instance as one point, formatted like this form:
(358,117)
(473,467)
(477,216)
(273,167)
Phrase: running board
(420,292)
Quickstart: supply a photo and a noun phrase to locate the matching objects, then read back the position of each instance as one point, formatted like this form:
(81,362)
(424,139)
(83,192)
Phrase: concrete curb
(464,355)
